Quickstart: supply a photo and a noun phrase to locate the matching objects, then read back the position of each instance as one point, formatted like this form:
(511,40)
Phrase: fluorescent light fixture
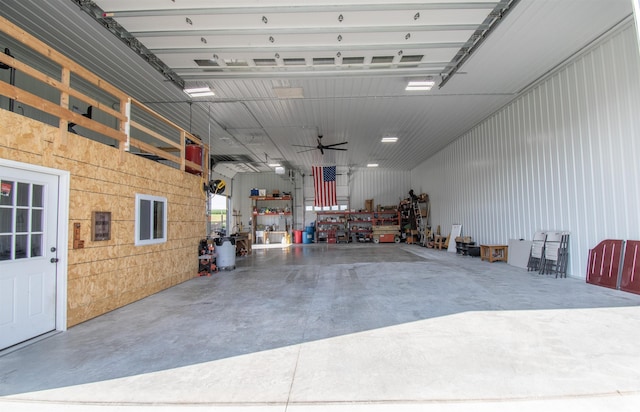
(274,164)
(372,165)
(279,170)
(288,92)
(420,85)
(199,91)
(389,139)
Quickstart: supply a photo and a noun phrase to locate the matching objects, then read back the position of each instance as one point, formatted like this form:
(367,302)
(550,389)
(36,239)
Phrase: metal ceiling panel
(355,99)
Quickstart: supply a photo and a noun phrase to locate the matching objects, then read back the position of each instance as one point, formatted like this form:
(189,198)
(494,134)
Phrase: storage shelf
(270,198)
(273,214)
(349,220)
(255,215)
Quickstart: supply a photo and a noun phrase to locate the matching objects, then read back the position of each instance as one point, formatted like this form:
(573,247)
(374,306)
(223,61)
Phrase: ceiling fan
(321,146)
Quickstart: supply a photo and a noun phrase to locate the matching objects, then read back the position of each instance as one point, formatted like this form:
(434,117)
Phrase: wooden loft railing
(150,129)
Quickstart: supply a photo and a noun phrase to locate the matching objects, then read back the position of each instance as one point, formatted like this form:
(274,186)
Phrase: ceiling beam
(311,72)
(299,9)
(308,30)
(491,22)
(302,48)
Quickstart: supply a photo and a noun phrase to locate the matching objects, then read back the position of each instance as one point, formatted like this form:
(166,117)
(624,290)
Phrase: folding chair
(555,254)
(537,250)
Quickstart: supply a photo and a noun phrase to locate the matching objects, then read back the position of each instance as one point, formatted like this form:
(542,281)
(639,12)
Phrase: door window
(21,220)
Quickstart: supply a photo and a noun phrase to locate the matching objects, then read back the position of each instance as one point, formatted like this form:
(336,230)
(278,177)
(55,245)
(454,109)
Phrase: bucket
(226,251)
(307,237)
(193,153)
(297,236)
(308,234)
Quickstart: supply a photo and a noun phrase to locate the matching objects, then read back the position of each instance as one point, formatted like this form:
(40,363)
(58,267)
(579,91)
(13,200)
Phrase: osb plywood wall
(106,275)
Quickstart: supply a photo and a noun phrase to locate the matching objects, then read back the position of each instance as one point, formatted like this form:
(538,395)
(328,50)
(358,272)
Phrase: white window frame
(152,199)
(335,208)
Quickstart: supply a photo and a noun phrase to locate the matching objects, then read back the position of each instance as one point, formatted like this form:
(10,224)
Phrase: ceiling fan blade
(308,150)
(335,144)
(321,149)
(335,148)
(301,145)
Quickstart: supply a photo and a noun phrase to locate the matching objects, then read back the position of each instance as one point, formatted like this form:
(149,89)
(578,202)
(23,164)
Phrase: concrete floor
(345,328)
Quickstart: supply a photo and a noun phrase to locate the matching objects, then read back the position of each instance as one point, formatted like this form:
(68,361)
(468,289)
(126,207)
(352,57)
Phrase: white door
(28,233)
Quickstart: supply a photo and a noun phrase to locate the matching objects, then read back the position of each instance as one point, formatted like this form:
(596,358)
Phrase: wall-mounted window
(151,220)
(335,208)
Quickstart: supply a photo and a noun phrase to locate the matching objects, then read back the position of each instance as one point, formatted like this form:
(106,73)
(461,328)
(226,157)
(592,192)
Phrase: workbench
(266,235)
(494,253)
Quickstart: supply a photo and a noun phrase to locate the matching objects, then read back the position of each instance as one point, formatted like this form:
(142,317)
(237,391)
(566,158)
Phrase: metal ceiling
(349,61)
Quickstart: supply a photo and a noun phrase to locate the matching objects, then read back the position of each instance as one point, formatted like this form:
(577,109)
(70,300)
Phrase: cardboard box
(368,205)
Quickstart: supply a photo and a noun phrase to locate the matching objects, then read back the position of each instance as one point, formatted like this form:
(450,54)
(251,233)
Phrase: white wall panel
(562,156)
(385,187)
(242,184)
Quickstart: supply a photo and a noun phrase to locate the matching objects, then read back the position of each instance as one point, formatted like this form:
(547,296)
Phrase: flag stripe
(324,183)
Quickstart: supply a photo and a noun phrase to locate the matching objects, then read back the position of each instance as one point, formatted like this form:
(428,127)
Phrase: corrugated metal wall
(385,187)
(562,156)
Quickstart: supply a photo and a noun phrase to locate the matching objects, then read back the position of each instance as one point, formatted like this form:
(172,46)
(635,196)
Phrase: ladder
(419,222)
(422,221)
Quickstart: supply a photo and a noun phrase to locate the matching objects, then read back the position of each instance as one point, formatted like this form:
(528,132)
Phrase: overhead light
(199,91)
(279,170)
(389,139)
(420,85)
(288,92)
(372,165)
(274,164)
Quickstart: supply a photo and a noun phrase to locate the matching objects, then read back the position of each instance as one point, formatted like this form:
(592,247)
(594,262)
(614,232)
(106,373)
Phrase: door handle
(54,260)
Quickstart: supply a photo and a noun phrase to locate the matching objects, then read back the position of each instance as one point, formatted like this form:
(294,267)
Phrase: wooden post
(65,78)
(183,149)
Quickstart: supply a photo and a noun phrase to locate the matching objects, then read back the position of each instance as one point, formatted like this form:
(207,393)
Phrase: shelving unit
(347,226)
(331,226)
(360,226)
(416,228)
(386,217)
(272,212)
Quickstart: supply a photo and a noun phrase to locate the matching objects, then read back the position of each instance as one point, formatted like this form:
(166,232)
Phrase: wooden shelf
(255,214)
(270,198)
(272,214)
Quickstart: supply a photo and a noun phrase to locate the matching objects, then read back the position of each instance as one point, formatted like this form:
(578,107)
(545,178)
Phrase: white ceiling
(351,59)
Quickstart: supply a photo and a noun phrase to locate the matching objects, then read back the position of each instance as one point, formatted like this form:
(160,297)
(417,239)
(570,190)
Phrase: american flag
(324,183)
